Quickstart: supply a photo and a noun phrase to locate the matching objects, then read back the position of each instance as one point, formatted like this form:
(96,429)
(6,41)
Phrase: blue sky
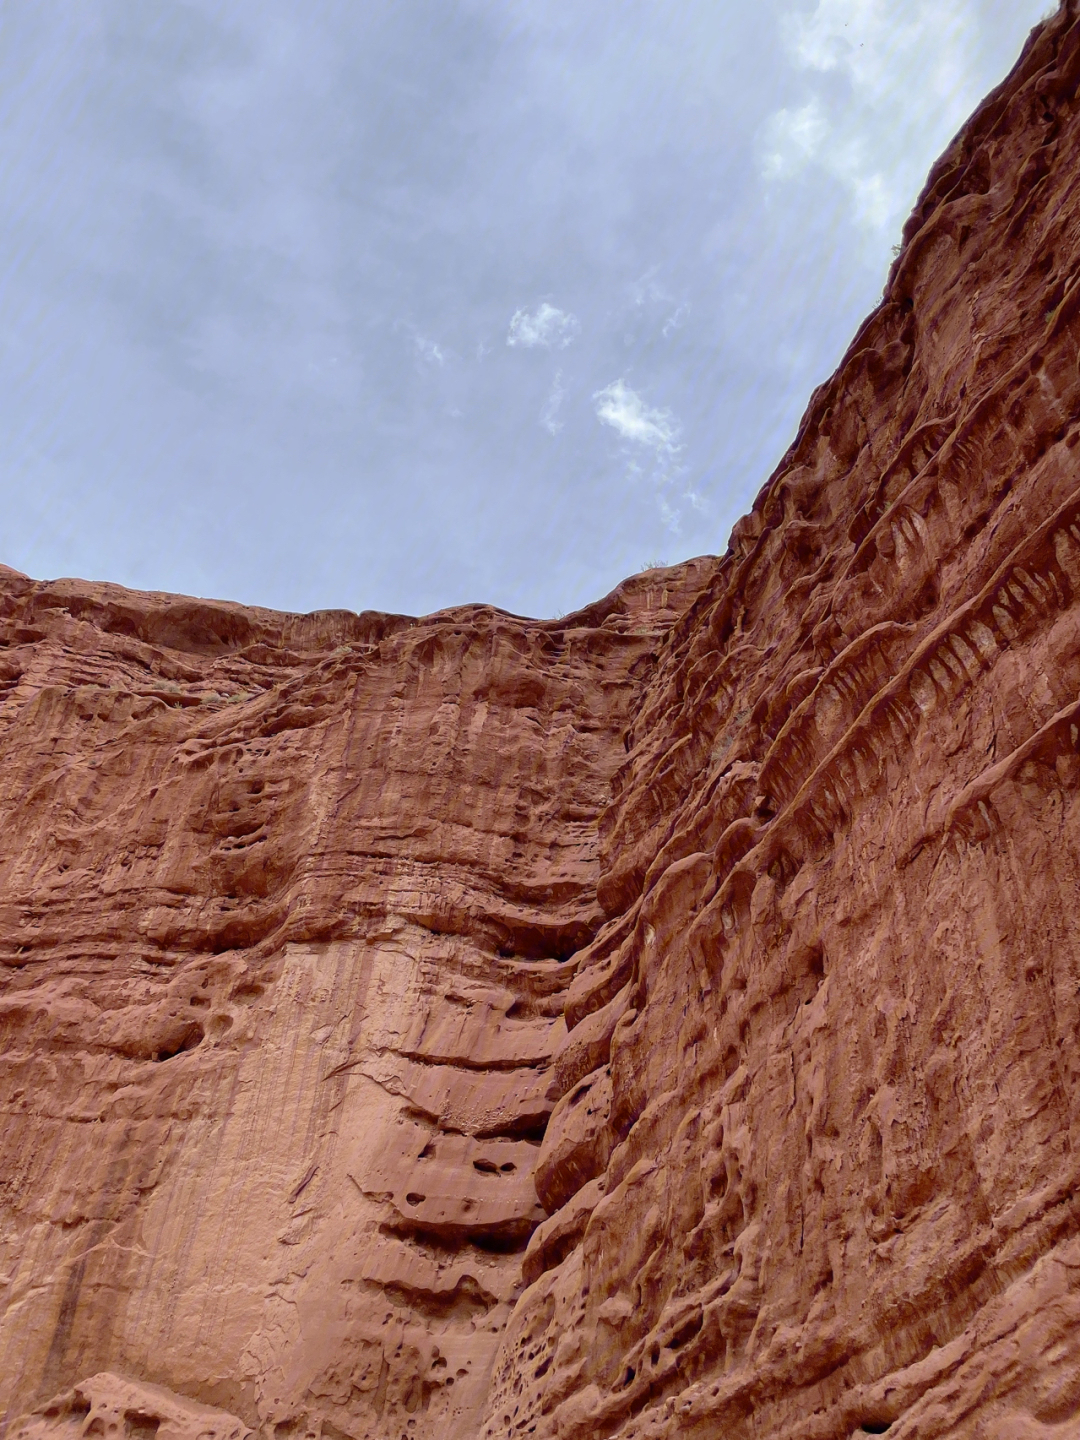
(407,303)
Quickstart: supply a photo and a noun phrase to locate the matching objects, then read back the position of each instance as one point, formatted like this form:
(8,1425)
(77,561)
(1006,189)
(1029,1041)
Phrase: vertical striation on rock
(287,912)
(657,1022)
(816,1152)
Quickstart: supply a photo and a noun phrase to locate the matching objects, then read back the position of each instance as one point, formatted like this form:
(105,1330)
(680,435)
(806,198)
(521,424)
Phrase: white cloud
(626,412)
(669,515)
(676,320)
(647,288)
(426,350)
(430,351)
(650,429)
(546,326)
(549,415)
(889,82)
(794,137)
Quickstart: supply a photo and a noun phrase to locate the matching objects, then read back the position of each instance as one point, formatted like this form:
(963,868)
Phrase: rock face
(287,906)
(661,1021)
(108,1405)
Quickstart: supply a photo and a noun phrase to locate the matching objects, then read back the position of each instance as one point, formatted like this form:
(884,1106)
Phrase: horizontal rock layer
(661,1021)
(287,907)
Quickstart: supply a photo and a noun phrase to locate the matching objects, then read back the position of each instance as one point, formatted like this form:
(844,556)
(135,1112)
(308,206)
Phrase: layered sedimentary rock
(286,912)
(661,1021)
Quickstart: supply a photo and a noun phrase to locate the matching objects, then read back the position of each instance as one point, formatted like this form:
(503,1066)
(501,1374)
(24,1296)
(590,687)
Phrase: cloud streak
(648,429)
(549,415)
(547,327)
(872,66)
(430,350)
(629,416)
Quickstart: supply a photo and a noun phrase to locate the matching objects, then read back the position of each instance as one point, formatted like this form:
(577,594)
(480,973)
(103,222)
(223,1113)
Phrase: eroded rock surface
(286,912)
(658,1022)
(117,1409)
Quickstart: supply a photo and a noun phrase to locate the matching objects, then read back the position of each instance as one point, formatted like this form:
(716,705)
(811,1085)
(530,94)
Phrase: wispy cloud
(425,350)
(547,326)
(881,74)
(549,415)
(646,428)
(792,138)
(676,320)
(646,290)
(626,412)
(430,351)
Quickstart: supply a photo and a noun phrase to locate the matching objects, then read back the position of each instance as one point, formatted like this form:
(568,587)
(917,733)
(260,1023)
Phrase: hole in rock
(466,1302)
(508,1167)
(524,1127)
(525,942)
(77,1408)
(427,1152)
(414,1199)
(190,1037)
(200,1001)
(686,1331)
(502,1242)
(486,1167)
(875,1427)
(432,1240)
(140,1425)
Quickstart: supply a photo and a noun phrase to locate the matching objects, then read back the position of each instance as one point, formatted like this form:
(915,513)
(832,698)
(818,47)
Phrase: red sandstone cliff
(660,1021)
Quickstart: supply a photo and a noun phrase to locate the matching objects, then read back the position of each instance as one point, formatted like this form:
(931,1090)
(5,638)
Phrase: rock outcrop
(287,906)
(107,1405)
(661,1021)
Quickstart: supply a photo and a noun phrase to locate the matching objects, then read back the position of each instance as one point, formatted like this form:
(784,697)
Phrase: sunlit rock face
(660,1021)
(287,912)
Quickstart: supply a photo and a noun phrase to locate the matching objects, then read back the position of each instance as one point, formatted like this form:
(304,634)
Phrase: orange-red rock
(286,914)
(658,1022)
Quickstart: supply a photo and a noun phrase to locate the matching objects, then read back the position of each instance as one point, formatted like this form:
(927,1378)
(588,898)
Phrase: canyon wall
(286,912)
(661,1021)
